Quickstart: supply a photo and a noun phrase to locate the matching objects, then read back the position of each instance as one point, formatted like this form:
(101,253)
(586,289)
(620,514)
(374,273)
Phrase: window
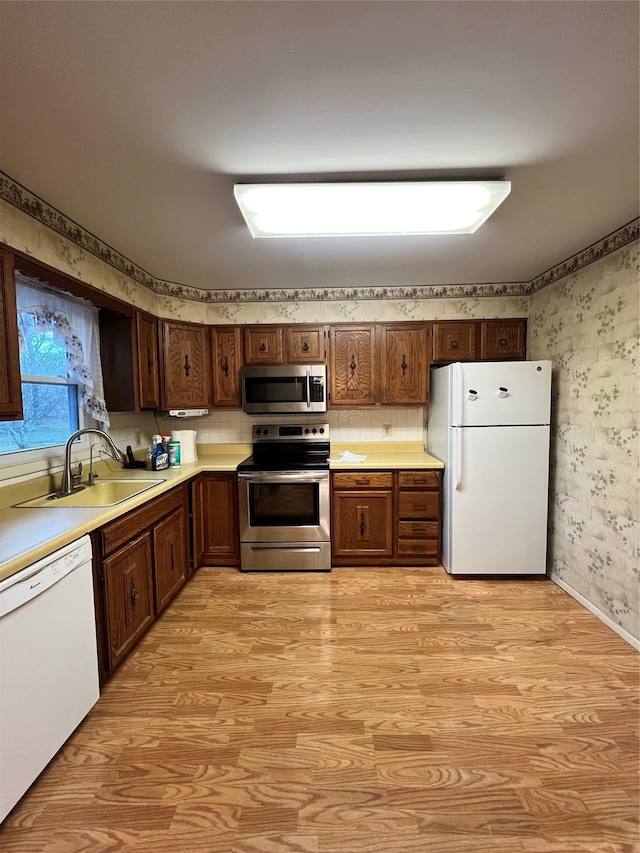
(60,366)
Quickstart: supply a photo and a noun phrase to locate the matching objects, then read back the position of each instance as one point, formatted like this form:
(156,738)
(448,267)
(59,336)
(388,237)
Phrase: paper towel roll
(187,439)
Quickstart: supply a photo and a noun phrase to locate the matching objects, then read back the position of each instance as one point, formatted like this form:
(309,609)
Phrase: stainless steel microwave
(280,389)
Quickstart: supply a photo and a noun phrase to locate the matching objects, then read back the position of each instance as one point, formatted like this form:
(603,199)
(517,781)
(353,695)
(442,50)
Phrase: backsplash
(234,427)
(351,425)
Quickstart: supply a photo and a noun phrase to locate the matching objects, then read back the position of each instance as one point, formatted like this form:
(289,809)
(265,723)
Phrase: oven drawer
(285,557)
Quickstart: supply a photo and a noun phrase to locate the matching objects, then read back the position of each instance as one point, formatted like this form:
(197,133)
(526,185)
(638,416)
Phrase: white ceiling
(135,119)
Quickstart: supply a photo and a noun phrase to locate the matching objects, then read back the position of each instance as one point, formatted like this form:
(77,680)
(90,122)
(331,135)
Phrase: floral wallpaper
(587,323)
(583,315)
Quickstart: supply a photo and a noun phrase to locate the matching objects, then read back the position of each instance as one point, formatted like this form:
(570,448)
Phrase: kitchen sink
(101,493)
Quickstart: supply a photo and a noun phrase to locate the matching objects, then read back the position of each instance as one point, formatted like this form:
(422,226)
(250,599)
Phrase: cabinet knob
(363,525)
(225,366)
(262,347)
(305,346)
(135,595)
(352,366)
(404,364)
(187,366)
(454,344)
(503,342)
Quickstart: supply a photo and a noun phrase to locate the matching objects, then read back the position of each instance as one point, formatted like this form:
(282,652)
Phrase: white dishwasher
(48,663)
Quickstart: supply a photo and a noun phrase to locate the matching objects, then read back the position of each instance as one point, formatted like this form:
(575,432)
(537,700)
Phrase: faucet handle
(77,477)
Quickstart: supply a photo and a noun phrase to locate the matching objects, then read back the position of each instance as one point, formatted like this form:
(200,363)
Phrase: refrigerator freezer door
(495,513)
(500,393)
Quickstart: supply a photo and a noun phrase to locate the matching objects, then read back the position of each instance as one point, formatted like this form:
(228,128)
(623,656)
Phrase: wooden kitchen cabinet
(404,364)
(306,344)
(130,364)
(226,354)
(455,341)
(386,518)
(501,340)
(263,345)
(148,361)
(128,597)
(295,344)
(185,365)
(418,517)
(361,517)
(214,510)
(141,560)
(10,380)
(354,372)
(170,557)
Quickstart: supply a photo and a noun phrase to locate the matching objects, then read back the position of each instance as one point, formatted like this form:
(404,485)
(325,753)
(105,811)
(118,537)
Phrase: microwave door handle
(308,389)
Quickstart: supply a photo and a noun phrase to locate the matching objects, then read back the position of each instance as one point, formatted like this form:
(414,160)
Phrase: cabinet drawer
(363,480)
(424,547)
(114,535)
(418,529)
(419,505)
(419,479)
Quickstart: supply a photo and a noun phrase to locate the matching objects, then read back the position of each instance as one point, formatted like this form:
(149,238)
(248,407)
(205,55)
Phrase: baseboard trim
(608,621)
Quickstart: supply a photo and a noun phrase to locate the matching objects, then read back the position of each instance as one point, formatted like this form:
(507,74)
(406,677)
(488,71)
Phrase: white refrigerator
(489,424)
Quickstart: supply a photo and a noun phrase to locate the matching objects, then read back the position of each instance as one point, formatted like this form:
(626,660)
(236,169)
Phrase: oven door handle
(308,389)
(285,477)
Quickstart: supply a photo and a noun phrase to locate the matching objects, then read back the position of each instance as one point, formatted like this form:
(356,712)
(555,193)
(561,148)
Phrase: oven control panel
(288,432)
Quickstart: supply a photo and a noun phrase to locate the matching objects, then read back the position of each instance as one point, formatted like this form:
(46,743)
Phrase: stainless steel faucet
(67,487)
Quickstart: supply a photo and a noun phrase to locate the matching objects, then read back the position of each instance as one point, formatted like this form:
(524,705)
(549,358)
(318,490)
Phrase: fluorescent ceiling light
(368,209)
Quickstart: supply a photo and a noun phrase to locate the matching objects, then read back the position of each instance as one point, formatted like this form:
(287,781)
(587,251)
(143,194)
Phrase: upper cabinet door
(405,364)
(502,339)
(306,344)
(263,345)
(455,341)
(226,353)
(185,356)
(148,361)
(354,366)
(10,386)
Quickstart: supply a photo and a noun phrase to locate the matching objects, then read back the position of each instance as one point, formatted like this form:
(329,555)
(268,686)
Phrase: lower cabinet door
(128,596)
(170,557)
(215,520)
(362,524)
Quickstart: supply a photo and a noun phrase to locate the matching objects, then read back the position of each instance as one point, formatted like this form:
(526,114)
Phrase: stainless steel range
(283,490)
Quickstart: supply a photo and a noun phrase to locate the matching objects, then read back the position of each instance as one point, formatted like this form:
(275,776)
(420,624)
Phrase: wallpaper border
(26,201)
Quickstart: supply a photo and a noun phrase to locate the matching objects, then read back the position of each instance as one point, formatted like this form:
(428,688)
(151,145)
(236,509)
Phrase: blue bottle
(159,457)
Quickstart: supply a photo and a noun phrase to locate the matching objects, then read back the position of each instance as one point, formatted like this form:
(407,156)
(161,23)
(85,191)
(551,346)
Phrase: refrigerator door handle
(458,455)
(457,397)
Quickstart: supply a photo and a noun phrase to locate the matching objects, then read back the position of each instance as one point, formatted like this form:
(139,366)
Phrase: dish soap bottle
(159,457)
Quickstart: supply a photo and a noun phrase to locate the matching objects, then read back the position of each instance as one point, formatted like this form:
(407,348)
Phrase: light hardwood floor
(384,710)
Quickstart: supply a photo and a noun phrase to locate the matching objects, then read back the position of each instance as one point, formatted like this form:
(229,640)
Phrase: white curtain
(74,323)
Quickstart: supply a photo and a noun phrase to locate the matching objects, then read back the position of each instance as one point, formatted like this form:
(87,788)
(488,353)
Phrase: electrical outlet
(386,429)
